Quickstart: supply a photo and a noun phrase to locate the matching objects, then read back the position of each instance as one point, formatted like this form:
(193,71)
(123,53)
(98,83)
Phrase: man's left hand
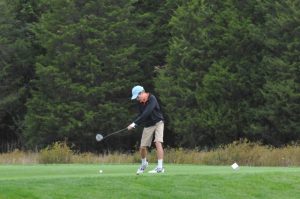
(131,126)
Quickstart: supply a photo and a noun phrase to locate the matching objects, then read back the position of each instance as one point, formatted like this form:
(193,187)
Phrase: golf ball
(100,171)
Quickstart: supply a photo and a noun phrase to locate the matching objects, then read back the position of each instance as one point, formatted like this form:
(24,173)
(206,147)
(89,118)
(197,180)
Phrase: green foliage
(151,19)
(278,117)
(221,81)
(17,51)
(83,83)
(223,70)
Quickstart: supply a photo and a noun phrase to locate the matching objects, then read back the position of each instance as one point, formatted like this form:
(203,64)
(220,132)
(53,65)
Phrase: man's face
(141,97)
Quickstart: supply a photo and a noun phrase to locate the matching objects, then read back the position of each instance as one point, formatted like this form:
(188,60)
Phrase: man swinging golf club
(151,116)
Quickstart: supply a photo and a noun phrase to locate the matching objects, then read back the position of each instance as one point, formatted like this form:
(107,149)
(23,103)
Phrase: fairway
(120,181)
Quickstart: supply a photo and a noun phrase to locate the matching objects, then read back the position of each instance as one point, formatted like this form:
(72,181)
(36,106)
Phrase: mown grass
(76,181)
(242,152)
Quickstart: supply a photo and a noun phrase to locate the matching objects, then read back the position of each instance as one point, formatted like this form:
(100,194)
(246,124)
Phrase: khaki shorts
(148,133)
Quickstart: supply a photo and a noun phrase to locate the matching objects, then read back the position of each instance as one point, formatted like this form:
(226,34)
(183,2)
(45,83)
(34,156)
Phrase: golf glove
(131,126)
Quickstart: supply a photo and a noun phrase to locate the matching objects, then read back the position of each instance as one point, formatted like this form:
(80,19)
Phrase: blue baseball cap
(136,91)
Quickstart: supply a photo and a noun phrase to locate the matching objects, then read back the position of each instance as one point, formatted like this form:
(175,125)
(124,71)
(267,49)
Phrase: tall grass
(243,152)
(19,157)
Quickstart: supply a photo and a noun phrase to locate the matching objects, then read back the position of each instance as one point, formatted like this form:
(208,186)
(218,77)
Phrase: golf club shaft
(119,131)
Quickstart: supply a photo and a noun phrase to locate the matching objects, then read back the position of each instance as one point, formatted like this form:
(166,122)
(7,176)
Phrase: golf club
(99,137)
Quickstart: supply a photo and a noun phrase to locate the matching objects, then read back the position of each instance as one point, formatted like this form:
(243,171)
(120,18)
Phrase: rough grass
(242,152)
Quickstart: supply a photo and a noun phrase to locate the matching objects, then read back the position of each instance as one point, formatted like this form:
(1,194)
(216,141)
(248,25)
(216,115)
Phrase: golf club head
(99,137)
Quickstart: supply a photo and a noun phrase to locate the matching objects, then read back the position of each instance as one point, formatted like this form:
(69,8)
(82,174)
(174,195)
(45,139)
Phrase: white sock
(144,160)
(160,163)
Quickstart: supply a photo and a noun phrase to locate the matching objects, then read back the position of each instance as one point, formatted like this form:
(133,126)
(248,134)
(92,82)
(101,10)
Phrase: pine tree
(84,79)
(210,83)
(151,19)
(17,56)
(277,120)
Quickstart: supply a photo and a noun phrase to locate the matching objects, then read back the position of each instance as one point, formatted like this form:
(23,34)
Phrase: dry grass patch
(243,152)
(19,157)
(253,154)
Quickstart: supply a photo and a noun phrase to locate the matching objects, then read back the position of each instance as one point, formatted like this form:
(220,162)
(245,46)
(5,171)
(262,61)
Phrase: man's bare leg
(143,152)
(159,151)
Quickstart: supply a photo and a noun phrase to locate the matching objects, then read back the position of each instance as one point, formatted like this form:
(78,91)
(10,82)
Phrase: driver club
(99,137)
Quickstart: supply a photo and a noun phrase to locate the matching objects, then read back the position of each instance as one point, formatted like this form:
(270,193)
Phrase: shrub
(58,152)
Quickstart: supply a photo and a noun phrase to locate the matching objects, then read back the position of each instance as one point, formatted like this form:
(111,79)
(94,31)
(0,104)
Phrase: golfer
(150,115)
